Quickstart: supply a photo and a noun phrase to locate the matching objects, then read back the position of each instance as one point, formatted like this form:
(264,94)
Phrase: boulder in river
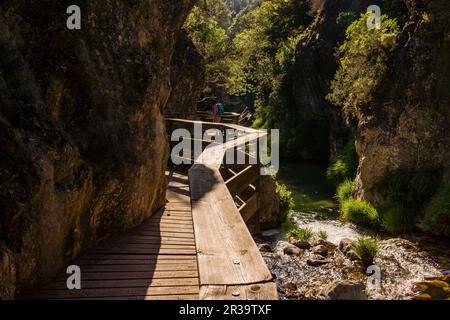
(265,247)
(346,290)
(320,249)
(316,262)
(300,243)
(292,250)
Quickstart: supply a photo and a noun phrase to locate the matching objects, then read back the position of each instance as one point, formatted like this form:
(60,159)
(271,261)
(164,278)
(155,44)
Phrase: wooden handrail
(230,264)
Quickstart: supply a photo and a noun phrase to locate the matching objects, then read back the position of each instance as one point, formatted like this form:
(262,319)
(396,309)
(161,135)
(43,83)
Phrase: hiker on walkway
(214,110)
(221,108)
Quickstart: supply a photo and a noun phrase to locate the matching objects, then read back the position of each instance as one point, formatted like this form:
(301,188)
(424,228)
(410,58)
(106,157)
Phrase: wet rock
(345,245)
(316,262)
(270,233)
(292,250)
(346,290)
(265,247)
(290,287)
(437,288)
(300,243)
(7,273)
(317,257)
(320,249)
(320,242)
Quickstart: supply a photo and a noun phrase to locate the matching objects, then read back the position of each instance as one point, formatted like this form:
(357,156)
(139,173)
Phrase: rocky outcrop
(270,214)
(187,79)
(82,138)
(409,121)
(308,81)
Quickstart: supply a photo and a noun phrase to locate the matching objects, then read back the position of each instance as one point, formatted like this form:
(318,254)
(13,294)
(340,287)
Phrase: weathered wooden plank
(100,257)
(153,297)
(145,251)
(259,291)
(133,275)
(165,234)
(139,267)
(129,283)
(157,262)
(123,292)
(134,246)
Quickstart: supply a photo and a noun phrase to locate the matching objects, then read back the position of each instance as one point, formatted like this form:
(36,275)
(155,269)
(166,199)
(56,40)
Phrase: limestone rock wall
(82,138)
(187,78)
(410,124)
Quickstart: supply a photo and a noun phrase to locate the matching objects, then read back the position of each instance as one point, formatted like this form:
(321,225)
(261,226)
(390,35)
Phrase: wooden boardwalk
(156,260)
(197,247)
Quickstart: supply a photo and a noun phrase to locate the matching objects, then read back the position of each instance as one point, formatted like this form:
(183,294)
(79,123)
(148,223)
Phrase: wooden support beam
(249,208)
(241,181)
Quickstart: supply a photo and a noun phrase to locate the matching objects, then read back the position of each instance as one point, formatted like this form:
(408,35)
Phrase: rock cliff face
(410,124)
(310,76)
(187,79)
(82,138)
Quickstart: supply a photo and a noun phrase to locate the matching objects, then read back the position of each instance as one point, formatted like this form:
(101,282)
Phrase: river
(403,261)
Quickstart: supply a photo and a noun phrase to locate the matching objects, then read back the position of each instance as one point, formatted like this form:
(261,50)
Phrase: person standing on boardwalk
(214,110)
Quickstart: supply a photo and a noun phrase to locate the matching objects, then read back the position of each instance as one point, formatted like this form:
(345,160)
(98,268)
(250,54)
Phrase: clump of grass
(359,212)
(323,234)
(344,164)
(437,213)
(398,220)
(304,234)
(410,188)
(345,191)
(365,249)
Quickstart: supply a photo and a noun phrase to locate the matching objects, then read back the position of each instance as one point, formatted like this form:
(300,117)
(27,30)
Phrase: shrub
(345,191)
(437,213)
(398,219)
(363,65)
(359,212)
(323,234)
(286,199)
(304,234)
(344,164)
(365,248)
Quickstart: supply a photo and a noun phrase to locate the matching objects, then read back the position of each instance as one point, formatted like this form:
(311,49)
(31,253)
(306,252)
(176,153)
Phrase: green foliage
(437,213)
(363,64)
(410,188)
(406,190)
(213,43)
(323,234)
(286,200)
(287,225)
(366,249)
(359,212)
(345,19)
(398,219)
(304,234)
(345,191)
(344,163)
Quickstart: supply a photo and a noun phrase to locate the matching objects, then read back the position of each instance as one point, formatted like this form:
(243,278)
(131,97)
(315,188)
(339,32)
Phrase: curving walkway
(197,247)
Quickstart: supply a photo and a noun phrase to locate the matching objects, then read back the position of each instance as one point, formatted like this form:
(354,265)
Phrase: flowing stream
(403,261)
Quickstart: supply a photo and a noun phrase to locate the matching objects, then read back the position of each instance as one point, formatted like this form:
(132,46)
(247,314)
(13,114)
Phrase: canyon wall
(308,80)
(409,121)
(82,137)
(187,79)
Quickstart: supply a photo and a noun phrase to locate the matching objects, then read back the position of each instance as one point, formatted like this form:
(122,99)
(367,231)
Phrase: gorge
(364,113)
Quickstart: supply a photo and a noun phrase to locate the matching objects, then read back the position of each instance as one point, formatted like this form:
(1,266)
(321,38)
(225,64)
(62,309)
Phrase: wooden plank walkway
(157,260)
